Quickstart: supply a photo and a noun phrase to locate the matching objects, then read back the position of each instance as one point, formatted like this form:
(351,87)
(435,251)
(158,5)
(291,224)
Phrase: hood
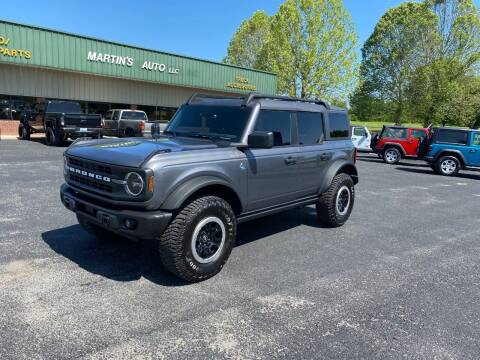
(132,152)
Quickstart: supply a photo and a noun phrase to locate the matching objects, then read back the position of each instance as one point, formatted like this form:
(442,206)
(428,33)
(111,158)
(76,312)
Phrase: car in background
(361,138)
(12,109)
(124,123)
(396,142)
(148,126)
(448,150)
(59,120)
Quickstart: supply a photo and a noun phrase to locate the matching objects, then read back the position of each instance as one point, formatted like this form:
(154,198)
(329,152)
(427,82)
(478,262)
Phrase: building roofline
(131,46)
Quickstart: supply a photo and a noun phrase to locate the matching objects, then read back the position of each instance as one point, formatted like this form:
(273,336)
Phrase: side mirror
(260,139)
(155,130)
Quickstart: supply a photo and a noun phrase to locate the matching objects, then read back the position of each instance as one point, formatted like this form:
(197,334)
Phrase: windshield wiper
(209,136)
(168,132)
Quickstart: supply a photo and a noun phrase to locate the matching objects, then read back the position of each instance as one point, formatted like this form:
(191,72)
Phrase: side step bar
(274,209)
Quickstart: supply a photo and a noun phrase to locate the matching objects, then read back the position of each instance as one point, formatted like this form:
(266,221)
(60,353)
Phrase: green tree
(248,40)
(401,41)
(311,48)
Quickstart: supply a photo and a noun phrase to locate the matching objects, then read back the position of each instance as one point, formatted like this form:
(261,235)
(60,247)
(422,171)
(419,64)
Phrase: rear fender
(339,166)
(392,144)
(456,153)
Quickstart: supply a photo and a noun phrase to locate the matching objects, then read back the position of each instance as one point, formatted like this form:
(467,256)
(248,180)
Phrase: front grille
(90,166)
(91,183)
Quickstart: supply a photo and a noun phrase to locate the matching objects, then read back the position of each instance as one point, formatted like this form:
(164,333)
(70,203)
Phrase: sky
(195,28)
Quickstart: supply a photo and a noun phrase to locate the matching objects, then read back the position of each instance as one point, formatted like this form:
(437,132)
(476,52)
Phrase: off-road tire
(175,244)
(440,165)
(97,231)
(23,132)
(327,212)
(52,139)
(388,158)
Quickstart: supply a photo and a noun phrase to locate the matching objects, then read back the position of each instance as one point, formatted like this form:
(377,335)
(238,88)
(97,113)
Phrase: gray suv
(220,162)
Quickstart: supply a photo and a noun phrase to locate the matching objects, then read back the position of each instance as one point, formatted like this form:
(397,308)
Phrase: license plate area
(107,219)
(83,130)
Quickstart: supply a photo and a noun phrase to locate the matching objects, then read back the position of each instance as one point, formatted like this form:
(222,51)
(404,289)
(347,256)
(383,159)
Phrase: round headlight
(134,184)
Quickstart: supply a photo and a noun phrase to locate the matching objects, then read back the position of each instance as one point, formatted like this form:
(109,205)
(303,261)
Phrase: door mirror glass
(155,130)
(260,139)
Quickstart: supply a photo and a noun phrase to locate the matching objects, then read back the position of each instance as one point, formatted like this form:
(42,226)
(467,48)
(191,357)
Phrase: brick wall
(9,127)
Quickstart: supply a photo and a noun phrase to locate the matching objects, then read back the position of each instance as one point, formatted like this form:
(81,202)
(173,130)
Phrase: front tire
(335,205)
(199,240)
(392,155)
(447,166)
(23,132)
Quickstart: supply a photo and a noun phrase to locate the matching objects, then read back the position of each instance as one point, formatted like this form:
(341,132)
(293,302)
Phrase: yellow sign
(5,51)
(241,83)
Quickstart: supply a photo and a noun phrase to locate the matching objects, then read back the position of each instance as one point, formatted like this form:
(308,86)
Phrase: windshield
(134,115)
(213,122)
(64,107)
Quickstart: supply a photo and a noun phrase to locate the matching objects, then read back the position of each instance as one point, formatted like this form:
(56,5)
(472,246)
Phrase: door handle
(324,156)
(290,160)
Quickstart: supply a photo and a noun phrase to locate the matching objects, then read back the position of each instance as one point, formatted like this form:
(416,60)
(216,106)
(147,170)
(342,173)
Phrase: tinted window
(134,115)
(222,122)
(359,131)
(310,128)
(452,137)
(395,133)
(338,125)
(476,139)
(418,134)
(116,115)
(278,122)
(64,107)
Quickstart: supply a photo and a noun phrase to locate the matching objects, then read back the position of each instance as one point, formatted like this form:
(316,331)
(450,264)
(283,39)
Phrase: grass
(375,126)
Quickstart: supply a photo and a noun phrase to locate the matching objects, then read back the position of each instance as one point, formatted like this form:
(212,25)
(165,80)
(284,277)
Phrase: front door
(361,138)
(414,138)
(272,173)
(107,122)
(473,153)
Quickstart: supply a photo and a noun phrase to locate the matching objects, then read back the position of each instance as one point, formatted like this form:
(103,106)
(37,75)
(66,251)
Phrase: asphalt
(400,280)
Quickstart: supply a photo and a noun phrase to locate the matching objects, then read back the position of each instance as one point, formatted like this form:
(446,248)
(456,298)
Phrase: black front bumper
(149,224)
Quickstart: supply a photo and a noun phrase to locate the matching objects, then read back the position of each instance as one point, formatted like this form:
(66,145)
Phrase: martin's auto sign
(34,46)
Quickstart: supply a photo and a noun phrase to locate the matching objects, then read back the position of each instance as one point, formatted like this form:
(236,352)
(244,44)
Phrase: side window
(395,133)
(116,115)
(278,122)
(310,128)
(459,137)
(338,125)
(108,115)
(358,131)
(418,134)
(476,139)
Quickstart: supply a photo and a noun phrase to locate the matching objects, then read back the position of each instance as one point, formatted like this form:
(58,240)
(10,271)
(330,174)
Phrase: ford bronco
(220,161)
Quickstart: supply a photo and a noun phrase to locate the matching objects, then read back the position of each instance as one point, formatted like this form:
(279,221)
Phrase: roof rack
(253,96)
(199,96)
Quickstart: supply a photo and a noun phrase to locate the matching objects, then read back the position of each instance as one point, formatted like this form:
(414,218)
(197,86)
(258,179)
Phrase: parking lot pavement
(400,279)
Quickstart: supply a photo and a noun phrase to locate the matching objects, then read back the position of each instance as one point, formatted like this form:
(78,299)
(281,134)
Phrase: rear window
(476,139)
(64,107)
(395,133)
(134,115)
(310,128)
(338,125)
(358,131)
(458,137)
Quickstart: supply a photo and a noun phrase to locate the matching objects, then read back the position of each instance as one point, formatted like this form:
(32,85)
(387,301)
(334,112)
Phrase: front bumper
(149,224)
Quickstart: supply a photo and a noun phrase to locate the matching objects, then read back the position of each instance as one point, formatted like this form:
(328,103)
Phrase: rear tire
(199,240)
(335,205)
(52,139)
(392,155)
(447,166)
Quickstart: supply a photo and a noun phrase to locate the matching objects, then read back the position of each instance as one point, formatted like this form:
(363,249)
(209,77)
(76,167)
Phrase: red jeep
(395,142)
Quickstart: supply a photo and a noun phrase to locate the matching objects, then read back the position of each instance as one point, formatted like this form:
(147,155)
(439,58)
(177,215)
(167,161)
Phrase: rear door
(272,173)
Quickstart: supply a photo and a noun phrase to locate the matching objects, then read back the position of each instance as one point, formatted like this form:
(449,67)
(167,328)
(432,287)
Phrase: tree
(311,48)
(401,41)
(248,40)
(458,27)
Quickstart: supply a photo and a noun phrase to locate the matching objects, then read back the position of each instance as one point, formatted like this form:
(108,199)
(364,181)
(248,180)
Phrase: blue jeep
(448,150)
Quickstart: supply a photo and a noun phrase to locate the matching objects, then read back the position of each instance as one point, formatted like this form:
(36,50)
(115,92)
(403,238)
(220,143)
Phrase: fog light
(130,224)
